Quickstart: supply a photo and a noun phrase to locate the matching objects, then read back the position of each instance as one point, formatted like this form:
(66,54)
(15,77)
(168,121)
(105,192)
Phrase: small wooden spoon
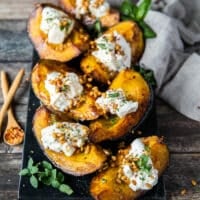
(13,134)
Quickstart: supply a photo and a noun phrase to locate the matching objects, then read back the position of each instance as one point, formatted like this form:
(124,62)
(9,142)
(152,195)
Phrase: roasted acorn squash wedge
(113,127)
(73,46)
(105,185)
(86,109)
(108,20)
(133,35)
(80,163)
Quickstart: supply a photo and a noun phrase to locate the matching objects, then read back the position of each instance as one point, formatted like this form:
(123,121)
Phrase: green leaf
(53,174)
(30,163)
(34,170)
(24,172)
(102,45)
(46,180)
(47,172)
(46,164)
(65,189)
(97,26)
(34,181)
(142,10)
(55,184)
(126,8)
(147,30)
(60,177)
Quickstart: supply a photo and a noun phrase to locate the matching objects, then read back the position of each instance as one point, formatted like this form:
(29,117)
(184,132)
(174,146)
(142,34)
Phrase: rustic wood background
(181,134)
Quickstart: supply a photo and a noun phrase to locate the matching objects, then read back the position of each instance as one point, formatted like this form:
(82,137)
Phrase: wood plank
(181,133)
(19,9)
(183,168)
(15,45)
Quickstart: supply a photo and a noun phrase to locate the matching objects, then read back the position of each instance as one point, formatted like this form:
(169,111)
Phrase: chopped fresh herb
(64,88)
(113,120)
(65,26)
(147,148)
(102,45)
(44,172)
(130,11)
(103,180)
(113,95)
(142,163)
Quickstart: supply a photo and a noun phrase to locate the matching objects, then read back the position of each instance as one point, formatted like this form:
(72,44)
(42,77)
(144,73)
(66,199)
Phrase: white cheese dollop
(114,101)
(75,136)
(141,179)
(99,11)
(56,24)
(106,52)
(61,96)
(91,8)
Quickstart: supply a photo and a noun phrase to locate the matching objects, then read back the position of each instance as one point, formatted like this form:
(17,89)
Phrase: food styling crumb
(193,182)
(183,191)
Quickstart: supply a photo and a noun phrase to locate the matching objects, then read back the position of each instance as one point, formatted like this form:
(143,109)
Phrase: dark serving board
(80,185)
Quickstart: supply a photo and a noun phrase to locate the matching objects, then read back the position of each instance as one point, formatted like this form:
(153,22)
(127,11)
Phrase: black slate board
(80,185)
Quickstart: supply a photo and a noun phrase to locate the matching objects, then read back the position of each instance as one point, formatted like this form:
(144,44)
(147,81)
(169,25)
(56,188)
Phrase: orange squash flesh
(87,110)
(135,89)
(104,185)
(132,34)
(79,163)
(74,45)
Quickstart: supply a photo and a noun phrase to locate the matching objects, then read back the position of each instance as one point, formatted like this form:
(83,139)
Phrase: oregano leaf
(34,181)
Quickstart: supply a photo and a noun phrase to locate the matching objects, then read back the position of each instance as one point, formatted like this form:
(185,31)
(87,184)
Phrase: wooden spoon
(13,134)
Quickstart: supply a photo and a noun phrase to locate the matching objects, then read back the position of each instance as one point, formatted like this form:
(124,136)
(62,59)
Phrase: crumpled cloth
(172,56)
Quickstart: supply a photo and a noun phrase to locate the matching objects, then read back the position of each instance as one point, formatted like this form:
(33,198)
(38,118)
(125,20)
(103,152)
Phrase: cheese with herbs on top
(91,8)
(56,24)
(145,176)
(63,89)
(115,102)
(64,137)
(113,51)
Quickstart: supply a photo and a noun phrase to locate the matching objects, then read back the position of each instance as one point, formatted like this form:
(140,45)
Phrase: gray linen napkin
(177,72)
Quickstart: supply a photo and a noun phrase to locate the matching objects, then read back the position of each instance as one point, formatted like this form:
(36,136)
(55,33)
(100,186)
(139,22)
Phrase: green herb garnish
(44,172)
(142,163)
(113,95)
(102,45)
(130,11)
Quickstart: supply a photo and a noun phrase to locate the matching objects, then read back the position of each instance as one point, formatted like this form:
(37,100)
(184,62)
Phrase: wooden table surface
(181,134)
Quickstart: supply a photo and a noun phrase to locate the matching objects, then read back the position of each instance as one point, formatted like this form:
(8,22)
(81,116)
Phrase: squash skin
(136,89)
(74,45)
(86,111)
(108,20)
(133,35)
(110,190)
(78,164)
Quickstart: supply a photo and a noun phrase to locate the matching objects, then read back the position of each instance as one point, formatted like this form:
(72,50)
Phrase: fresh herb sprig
(44,172)
(130,11)
(142,163)
(147,74)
